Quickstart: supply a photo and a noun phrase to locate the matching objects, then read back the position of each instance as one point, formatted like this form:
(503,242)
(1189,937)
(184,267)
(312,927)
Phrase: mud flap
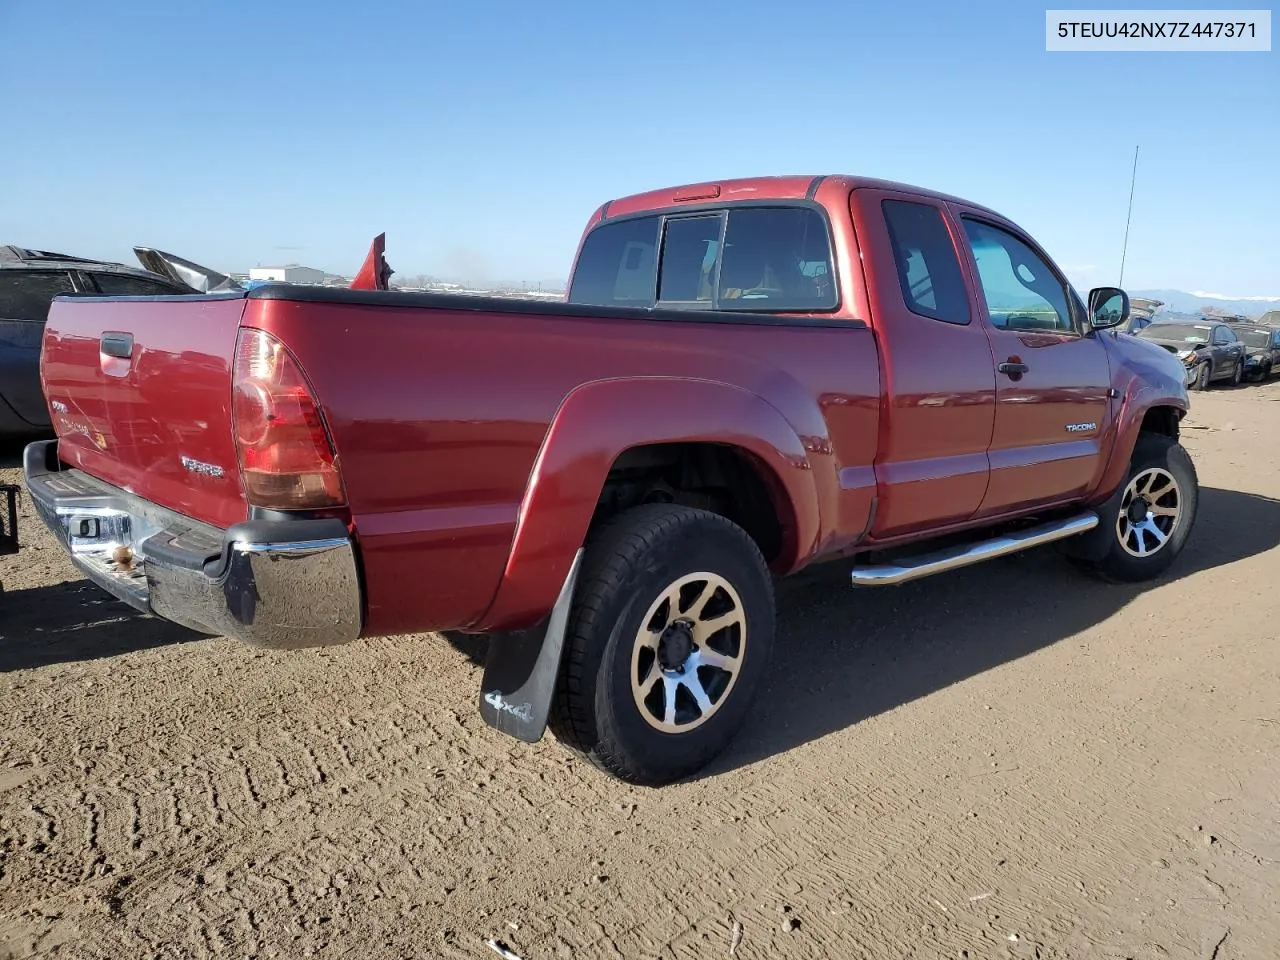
(521,669)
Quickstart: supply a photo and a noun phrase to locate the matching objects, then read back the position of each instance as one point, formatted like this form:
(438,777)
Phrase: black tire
(1237,374)
(629,563)
(1116,563)
(1204,374)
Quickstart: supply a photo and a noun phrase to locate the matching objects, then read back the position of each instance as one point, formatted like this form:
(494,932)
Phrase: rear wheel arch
(607,423)
(724,479)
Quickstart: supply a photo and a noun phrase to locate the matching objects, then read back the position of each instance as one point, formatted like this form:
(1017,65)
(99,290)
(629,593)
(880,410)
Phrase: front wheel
(670,635)
(1147,522)
(1237,374)
(1202,377)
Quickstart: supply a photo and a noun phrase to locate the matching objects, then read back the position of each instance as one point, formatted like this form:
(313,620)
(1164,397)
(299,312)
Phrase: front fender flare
(600,420)
(1141,397)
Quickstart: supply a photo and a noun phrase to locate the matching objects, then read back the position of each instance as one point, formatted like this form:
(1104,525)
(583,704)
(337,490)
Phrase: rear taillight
(286,455)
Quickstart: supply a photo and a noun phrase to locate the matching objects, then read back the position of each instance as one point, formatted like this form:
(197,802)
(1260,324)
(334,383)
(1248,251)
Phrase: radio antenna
(1132,183)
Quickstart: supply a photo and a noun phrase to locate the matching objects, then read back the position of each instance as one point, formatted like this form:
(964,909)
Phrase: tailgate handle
(118,345)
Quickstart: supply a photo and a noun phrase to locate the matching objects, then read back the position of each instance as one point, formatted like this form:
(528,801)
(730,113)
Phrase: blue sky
(480,136)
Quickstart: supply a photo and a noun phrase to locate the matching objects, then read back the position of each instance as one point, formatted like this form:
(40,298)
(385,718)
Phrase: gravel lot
(1013,761)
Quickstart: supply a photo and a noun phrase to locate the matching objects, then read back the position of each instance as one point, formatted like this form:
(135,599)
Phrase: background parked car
(1262,350)
(30,279)
(1209,349)
(1136,324)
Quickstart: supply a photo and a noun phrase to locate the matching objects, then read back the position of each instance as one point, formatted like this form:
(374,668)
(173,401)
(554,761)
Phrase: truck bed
(439,406)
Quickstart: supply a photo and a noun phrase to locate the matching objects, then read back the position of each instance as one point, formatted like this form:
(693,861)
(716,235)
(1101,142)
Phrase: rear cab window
(772,259)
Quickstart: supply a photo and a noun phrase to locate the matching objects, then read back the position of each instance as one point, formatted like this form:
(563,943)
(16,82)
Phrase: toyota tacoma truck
(745,378)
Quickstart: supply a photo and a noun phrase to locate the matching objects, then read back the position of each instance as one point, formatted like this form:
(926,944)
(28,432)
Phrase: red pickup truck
(746,377)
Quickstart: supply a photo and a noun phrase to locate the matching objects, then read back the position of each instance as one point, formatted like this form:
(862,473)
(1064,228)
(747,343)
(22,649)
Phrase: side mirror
(1108,307)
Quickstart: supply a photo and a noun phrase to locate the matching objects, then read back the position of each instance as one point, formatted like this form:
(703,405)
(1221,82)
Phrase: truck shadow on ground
(842,656)
(63,622)
(11,450)
(67,622)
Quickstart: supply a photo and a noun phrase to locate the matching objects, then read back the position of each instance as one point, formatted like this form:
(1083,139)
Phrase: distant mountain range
(1179,302)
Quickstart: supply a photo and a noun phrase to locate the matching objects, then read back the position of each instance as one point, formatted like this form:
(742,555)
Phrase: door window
(1021,291)
(27,295)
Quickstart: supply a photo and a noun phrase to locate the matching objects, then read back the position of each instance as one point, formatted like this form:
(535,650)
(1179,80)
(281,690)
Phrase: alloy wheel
(688,652)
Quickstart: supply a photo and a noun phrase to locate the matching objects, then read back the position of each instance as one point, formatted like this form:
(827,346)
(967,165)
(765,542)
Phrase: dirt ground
(1010,761)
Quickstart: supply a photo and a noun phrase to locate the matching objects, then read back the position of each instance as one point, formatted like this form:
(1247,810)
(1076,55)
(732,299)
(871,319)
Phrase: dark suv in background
(30,279)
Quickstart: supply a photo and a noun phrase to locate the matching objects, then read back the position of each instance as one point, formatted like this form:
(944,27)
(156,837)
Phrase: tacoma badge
(199,466)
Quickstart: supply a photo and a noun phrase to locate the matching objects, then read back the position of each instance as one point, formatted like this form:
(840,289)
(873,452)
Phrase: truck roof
(792,187)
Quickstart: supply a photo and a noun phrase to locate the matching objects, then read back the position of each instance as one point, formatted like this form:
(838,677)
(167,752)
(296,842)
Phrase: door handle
(118,345)
(1013,368)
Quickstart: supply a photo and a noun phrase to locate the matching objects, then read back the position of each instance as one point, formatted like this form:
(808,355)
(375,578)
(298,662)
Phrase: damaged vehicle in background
(1262,351)
(1210,351)
(1142,313)
(30,279)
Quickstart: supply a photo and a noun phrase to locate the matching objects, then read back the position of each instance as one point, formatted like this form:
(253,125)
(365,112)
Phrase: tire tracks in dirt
(1004,753)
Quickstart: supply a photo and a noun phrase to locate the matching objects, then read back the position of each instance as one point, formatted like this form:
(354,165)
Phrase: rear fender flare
(600,420)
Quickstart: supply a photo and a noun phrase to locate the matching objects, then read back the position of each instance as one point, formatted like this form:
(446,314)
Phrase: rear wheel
(1237,374)
(1147,523)
(668,640)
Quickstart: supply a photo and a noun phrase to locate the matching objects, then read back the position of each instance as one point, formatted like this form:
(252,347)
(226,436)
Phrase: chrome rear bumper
(271,583)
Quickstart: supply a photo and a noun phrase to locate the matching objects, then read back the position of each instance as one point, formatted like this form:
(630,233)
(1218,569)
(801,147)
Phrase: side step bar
(953,558)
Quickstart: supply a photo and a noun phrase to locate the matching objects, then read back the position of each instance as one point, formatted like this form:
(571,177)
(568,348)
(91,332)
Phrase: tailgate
(139,390)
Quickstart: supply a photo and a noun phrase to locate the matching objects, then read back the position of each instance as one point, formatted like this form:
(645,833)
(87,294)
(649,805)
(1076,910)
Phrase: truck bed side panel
(438,416)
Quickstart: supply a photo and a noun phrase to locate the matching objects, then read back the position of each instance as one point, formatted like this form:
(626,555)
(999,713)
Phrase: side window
(1021,291)
(125,285)
(928,268)
(777,259)
(618,265)
(28,295)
